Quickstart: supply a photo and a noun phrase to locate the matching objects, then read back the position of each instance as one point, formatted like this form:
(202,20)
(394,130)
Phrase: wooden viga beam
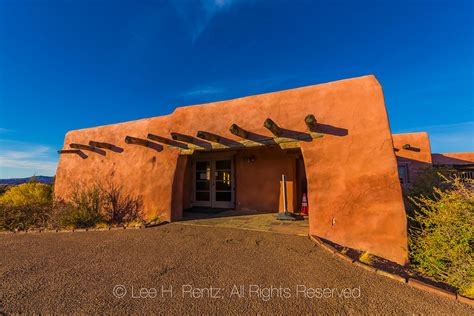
(238,131)
(100,145)
(208,136)
(73,151)
(69,151)
(137,141)
(89,148)
(311,122)
(182,138)
(272,127)
(82,147)
(167,141)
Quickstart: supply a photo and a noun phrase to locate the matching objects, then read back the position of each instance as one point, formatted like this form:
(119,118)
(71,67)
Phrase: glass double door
(214,183)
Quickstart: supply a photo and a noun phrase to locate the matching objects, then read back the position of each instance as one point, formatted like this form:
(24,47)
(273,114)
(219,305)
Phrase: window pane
(202,196)
(223,176)
(223,196)
(223,165)
(222,185)
(202,165)
(202,175)
(202,185)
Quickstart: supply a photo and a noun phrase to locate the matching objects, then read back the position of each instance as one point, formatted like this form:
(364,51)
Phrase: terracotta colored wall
(258,182)
(465,158)
(344,184)
(417,157)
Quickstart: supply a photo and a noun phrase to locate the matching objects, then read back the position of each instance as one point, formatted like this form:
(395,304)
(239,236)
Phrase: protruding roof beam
(272,127)
(311,122)
(73,151)
(238,131)
(137,141)
(89,148)
(208,136)
(167,141)
(143,142)
(69,151)
(108,146)
(182,138)
(100,145)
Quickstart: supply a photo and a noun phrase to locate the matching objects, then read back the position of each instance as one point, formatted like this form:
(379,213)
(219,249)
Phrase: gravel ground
(78,272)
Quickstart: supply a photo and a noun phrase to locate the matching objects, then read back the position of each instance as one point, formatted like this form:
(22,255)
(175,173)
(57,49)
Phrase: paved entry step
(244,220)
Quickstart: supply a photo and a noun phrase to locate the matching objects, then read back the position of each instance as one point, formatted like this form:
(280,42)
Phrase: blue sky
(73,64)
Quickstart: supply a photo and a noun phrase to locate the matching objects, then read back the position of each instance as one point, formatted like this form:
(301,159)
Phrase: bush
(24,206)
(441,235)
(23,217)
(3,188)
(28,194)
(82,211)
(121,208)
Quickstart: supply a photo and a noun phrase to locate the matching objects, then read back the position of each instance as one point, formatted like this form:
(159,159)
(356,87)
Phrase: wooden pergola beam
(100,145)
(311,122)
(272,127)
(182,138)
(208,136)
(238,131)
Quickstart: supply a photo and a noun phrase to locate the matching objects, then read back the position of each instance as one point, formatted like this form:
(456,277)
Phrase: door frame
(212,158)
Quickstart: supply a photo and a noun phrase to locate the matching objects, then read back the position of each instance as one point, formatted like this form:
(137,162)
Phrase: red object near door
(304,205)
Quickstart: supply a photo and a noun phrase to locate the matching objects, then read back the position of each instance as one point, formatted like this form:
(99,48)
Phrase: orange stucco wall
(353,201)
(417,157)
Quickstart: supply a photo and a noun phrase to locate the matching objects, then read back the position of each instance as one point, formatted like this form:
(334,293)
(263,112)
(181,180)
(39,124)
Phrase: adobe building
(332,141)
(413,153)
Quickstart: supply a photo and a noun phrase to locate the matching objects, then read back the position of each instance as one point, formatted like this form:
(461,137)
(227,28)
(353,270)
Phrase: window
(403,175)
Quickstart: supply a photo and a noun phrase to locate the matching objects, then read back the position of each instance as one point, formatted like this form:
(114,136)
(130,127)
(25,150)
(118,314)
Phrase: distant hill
(41,179)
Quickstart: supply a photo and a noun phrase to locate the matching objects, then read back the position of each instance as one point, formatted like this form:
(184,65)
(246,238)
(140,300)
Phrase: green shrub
(442,234)
(28,194)
(25,206)
(82,210)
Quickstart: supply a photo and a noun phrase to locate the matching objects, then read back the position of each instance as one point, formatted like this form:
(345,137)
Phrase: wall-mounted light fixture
(250,158)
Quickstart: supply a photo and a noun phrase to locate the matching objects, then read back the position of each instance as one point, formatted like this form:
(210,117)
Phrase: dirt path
(77,272)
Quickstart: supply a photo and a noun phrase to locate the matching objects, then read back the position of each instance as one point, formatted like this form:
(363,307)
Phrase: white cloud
(204,91)
(18,159)
(199,14)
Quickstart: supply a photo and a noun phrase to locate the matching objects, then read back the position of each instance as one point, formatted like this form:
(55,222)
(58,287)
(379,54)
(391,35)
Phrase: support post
(285,216)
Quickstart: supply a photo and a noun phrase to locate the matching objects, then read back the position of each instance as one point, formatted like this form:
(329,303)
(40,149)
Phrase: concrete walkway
(248,220)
